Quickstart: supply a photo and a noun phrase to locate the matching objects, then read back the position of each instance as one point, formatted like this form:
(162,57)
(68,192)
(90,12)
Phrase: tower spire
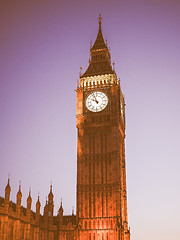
(100,20)
(7,195)
(100,59)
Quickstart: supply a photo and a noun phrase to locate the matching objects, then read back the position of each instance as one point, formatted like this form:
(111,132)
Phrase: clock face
(96,101)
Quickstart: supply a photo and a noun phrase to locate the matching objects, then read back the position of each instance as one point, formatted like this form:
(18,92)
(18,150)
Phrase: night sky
(42,46)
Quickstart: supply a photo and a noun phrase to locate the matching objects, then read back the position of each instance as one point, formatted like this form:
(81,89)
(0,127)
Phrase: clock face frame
(96,101)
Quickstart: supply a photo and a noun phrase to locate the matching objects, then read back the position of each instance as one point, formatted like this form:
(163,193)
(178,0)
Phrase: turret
(18,200)
(7,196)
(61,215)
(38,205)
(46,213)
(29,202)
(50,205)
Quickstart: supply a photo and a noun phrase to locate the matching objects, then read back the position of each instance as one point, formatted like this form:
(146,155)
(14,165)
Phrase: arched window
(85,225)
(22,231)
(107,225)
(90,236)
(102,224)
(89,224)
(11,231)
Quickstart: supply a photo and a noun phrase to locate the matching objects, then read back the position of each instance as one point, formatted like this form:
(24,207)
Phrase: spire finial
(20,186)
(80,73)
(51,186)
(8,179)
(113,66)
(100,19)
(38,197)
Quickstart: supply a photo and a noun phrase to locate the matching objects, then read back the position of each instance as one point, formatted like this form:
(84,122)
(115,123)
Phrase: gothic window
(85,225)
(22,231)
(32,233)
(11,231)
(89,224)
(107,224)
(98,224)
(90,236)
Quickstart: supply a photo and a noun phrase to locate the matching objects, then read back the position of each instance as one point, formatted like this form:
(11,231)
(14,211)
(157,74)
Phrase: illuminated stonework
(101,211)
(101,174)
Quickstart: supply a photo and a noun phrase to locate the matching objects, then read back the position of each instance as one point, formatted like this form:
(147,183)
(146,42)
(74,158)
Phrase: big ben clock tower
(101,172)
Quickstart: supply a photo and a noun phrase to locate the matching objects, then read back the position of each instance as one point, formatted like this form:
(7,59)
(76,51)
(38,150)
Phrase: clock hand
(95,100)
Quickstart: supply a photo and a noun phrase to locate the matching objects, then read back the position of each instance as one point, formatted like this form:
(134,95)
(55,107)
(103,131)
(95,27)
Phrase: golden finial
(100,19)
(20,185)
(113,66)
(8,178)
(61,203)
(80,73)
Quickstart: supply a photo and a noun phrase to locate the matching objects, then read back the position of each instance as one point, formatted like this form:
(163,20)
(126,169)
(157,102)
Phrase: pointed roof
(19,193)
(8,188)
(38,201)
(29,199)
(100,62)
(50,195)
(99,43)
(61,208)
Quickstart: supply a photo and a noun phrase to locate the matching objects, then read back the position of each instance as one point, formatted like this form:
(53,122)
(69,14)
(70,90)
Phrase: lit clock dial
(96,101)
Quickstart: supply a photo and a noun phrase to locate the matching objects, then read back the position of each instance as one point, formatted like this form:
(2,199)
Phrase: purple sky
(42,45)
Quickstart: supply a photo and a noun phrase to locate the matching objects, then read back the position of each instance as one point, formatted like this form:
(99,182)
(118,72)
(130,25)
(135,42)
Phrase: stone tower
(101,169)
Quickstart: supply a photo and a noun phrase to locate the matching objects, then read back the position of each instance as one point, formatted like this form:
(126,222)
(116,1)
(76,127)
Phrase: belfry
(101,200)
